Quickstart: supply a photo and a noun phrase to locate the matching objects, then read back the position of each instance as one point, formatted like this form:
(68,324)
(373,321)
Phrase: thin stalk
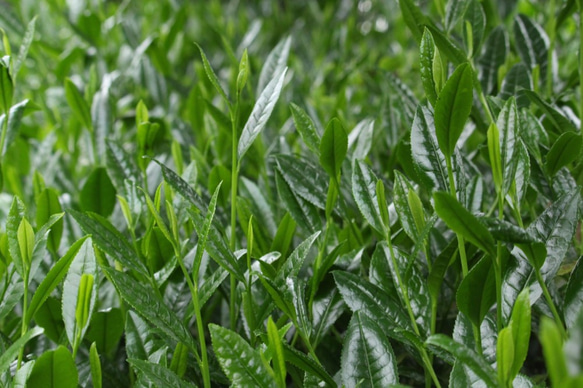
(498,267)
(233,240)
(460,238)
(23,323)
(551,304)
(204,364)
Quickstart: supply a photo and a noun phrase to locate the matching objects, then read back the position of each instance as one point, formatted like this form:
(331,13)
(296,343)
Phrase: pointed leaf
(11,353)
(240,362)
(96,375)
(6,87)
(304,179)
(211,75)
(139,337)
(532,43)
(98,193)
(27,40)
(552,343)
(302,211)
(364,184)
(294,262)
(465,355)
(426,57)
(367,356)
(55,368)
(477,292)
(520,326)
(260,113)
(306,128)
(274,63)
(453,107)
(494,56)
(565,150)
(78,105)
(461,221)
(159,375)
(333,148)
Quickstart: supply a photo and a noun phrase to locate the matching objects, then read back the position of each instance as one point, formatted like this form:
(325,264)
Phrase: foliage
(291,193)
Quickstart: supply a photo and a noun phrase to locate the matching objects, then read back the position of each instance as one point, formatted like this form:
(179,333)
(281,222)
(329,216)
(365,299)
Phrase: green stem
(498,266)
(233,240)
(24,324)
(551,304)
(204,364)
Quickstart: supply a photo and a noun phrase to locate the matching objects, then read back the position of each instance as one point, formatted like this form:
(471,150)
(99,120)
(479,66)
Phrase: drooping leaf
(413,17)
(367,356)
(55,368)
(17,112)
(159,375)
(151,307)
(240,362)
(307,364)
(109,240)
(333,148)
(461,221)
(364,183)
(453,107)
(360,139)
(555,116)
(260,113)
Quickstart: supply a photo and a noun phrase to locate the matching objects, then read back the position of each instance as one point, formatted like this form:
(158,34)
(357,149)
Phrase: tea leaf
(6,87)
(274,63)
(367,356)
(98,193)
(139,337)
(260,113)
(241,363)
(573,304)
(11,353)
(465,355)
(494,56)
(306,128)
(520,327)
(552,343)
(453,108)
(17,112)
(413,17)
(302,211)
(532,43)
(27,40)
(304,179)
(55,368)
(78,105)
(95,366)
(476,293)
(211,75)
(364,191)
(333,148)
(159,375)
(293,264)
(461,221)
(565,150)
(426,57)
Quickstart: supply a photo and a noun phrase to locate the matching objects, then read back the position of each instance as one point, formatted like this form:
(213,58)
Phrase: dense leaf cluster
(272,193)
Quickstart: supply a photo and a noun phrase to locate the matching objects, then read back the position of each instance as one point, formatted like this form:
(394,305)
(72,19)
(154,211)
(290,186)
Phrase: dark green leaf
(453,107)
(182,187)
(573,305)
(139,337)
(461,221)
(565,150)
(294,262)
(54,369)
(78,105)
(304,179)
(151,307)
(508,127)
(159,375)
(494,56)
(109,240)
(447,47)
(241,363)
(307,364)
(260,113)
(106,330)
(515,83)
(476,293)
(367,355)
(552,112)
(98,193)
(302,211)
(429,161)
(503,230)
(413,17)
(465,355)
(364,191)
(333,148)
(426,57)
(453,12)
(532,43)
(476,18)
(6,87)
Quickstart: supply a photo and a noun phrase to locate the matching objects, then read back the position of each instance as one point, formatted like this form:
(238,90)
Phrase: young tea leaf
(306,128)
(211,75)
(333,148)
(426,57)
(6,87)
(78,105)
(453,107)
(364,184)
(274,63)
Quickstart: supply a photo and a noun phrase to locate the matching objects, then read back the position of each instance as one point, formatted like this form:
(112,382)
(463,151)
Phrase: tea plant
(274,194)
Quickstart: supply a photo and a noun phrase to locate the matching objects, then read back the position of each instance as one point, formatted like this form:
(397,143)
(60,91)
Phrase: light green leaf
(333,148)
(520,326)
(47,204)
(159,375)
(364,183)
(101,122)
(211,75)
(27,40)
(461,221)
(278,358)
(260,113)
(240,362)
(26,243)
(17,112)
(15,215)
(95,363)
(53,278)
(552,343)
(413,17)
(505,356)
(453,107)
(243,72)
(6,87)
(54,369)
(367,355)
(465,355)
